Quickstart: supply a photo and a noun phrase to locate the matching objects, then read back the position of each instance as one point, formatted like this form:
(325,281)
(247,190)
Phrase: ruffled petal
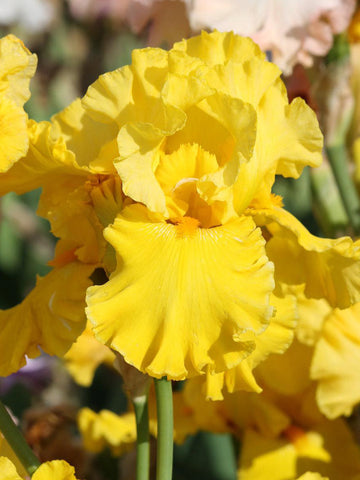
(335,363)
(74,126)
(219,47)
(66,203)
(254,78)
(329,268)
(45,160)
(17,67)
(138,142)
(50,317)
(170,267)
(274,340)
(55,470)
(102,100)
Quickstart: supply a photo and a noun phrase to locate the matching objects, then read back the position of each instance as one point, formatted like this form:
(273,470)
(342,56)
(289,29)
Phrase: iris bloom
(161,176)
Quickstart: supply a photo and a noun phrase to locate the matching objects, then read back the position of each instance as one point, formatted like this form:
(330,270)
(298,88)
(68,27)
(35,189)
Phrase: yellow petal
(329,268)
(55,470)
(335,363)
(301,131)
(312,314)
(45,159)
(50,317)
(215,124)
(66,203)
(102,100)
(235,412)
(8,470)
(185,84)
(329,449)
(253,78)
(170,267)
(288,373)
(218,47)
(274,340)
(75,127)
(105,428)
(85,355)
(17,66)
(138,142)
(312,476)
(7,451)
(13,134)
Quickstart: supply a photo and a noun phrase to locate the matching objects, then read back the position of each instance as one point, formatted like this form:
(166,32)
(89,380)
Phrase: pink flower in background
(167,20)
(293,30)
(93,9)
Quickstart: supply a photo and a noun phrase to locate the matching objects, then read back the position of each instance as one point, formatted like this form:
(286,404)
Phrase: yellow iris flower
(161,176)
(201,132)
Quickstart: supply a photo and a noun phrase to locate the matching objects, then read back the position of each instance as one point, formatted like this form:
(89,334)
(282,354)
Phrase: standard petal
(204,294)
(74,127)
(17,66)
(50,317)
(218,47)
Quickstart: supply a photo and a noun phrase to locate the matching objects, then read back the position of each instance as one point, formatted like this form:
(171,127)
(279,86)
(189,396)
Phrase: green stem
(338,160)
(164,407)
(143,438)
(328,206)
(17,442)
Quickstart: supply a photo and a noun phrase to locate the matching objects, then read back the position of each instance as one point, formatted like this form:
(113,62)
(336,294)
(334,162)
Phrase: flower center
(185,225)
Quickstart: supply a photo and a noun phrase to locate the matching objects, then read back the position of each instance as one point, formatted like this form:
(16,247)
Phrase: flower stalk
(142,438)
(17,442)
(338,160)
(165,418)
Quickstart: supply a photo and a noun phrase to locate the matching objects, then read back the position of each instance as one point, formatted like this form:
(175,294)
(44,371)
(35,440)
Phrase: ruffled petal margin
(329,268)
(197,298)
(50,317)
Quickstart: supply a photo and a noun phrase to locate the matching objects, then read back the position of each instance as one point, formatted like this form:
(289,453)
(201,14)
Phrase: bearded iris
(202,131)
(161,175)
